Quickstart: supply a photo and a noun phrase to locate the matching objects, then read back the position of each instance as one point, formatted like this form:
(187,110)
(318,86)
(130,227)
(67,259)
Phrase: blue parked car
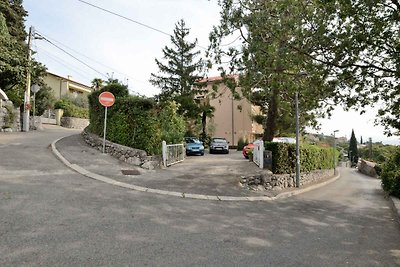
(194,146)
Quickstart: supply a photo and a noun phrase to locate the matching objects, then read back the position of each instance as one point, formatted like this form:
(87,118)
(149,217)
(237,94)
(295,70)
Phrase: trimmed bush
(312,157)
(391,174)
(241,144)
(135,121)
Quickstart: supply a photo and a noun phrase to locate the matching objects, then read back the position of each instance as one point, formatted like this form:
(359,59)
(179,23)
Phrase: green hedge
(71,110)
(135,121)
(311,157)
(390,174)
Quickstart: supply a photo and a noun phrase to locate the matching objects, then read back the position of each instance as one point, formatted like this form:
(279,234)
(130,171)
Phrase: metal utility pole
(27,100)
(334,151)
(233,122)
(297,140)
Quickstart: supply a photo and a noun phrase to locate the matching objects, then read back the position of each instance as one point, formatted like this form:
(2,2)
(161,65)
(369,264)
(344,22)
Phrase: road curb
(395,205)
(110,181)
(307,189)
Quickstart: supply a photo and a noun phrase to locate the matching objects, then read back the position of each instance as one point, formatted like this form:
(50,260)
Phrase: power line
(60,61)
(94,60)
(126,18)
(87,65)
(131,20)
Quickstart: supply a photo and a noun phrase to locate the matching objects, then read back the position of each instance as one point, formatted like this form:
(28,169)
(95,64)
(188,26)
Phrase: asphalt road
(52,216)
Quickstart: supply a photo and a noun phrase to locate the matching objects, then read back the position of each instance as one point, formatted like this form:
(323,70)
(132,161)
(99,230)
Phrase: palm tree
(97,83)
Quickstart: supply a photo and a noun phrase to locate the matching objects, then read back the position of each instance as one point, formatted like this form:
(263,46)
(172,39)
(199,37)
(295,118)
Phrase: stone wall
(75,123)
(367,167)
(129,155)
(36,123)
(269,181)
(16,126)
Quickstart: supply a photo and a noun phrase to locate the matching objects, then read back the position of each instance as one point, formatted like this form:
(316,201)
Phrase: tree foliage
(390,174)
(44,100)
(353,150)
(378,152)
(14,62)
(270,62)
(361,46)
(350,50)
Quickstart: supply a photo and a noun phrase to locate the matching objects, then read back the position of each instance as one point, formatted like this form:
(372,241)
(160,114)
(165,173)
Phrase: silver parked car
(219,144)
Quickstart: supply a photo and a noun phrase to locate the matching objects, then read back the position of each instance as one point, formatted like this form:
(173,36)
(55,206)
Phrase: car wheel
(202,153)
(227,152)
(211,151)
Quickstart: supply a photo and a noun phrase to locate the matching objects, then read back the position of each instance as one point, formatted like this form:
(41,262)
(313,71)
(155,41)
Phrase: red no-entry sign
(106,99)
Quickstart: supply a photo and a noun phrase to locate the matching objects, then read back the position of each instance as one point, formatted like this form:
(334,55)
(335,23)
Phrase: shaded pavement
(52,216)
(208,175)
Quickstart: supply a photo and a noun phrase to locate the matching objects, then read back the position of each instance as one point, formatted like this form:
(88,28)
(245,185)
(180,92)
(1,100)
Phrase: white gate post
(164,153)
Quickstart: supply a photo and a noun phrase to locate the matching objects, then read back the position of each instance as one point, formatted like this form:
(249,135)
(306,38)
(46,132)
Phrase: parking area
(211,174)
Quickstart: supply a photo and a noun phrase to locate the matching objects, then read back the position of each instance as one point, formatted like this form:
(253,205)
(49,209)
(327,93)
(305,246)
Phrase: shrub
(312,157)
(70,109)
(44,100)
(241,144)
(172,125)
(378,169)
(391,174)
(80,100)
(9,117)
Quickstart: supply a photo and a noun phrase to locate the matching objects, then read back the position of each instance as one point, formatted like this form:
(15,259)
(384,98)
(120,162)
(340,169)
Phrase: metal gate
(258,153)
(172,154)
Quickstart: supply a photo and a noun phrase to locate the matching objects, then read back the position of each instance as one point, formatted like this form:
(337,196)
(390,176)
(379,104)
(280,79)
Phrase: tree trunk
(204,124)
(272,115)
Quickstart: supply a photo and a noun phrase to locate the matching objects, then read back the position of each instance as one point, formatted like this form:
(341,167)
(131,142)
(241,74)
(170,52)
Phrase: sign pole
(105,128)
(106,99)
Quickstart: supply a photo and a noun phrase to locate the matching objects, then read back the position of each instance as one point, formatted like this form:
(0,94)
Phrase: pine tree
(178,74)
(353,151)
(15,14)
(361,141)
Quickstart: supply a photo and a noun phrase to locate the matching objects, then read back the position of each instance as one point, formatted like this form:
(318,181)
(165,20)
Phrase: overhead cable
(131,20)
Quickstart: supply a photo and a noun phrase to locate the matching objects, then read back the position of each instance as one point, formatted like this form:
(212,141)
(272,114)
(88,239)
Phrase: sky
(118,48)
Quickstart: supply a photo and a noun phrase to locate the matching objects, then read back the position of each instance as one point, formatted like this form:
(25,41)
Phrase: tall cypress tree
(353,151)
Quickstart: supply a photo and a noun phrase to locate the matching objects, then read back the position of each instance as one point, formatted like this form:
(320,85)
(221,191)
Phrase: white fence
(172,154)
(258,153)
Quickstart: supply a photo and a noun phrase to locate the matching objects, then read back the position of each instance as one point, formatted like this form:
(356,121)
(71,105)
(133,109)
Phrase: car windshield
(192,140)
(219,140)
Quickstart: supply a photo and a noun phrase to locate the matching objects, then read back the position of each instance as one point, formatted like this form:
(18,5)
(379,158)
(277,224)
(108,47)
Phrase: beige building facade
(232,118)
(62,85)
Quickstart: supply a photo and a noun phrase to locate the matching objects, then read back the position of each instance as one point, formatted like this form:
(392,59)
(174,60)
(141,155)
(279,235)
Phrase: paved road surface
(51,216)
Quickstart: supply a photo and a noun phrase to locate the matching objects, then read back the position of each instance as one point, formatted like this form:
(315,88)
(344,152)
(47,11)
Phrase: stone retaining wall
(269,181)
(16,126)
(367,167)
(129,155)
(75,123)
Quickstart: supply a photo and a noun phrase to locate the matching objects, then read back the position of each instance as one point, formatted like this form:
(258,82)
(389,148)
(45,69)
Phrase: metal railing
(172,154)
(258,153)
